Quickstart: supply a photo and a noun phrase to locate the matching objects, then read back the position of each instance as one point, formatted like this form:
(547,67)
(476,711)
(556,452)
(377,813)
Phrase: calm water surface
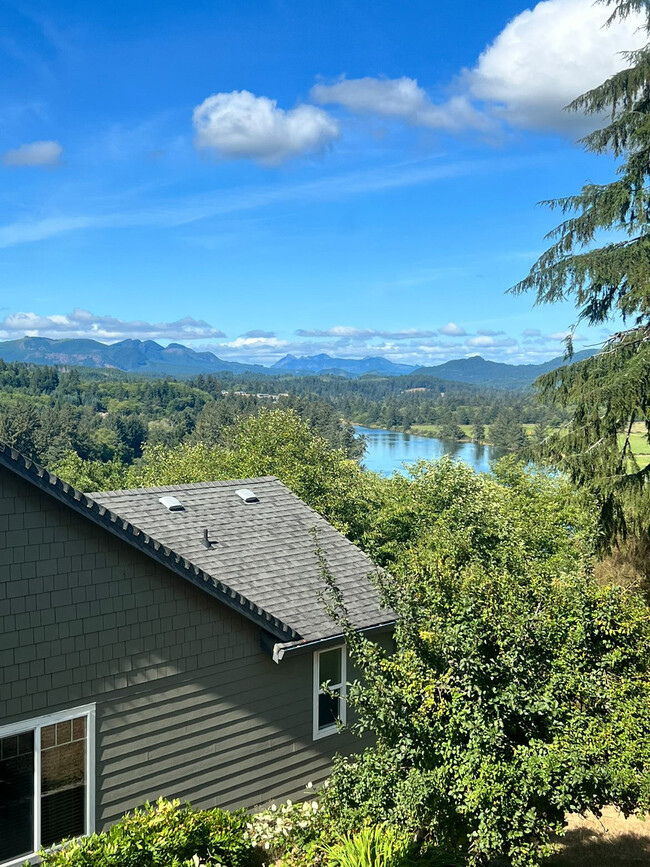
(387,450)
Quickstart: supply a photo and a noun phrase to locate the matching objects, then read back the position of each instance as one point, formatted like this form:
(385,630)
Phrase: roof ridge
(188,486)
(85,505)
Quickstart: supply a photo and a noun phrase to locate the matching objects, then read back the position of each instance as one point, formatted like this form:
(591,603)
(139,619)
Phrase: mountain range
(133,356)
(479,371)
(149,357)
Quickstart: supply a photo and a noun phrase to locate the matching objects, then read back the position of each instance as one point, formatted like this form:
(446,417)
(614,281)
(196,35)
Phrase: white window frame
(35,725)
(332,729)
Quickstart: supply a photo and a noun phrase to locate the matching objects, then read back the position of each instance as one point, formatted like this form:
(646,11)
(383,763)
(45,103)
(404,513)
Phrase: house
(164,642)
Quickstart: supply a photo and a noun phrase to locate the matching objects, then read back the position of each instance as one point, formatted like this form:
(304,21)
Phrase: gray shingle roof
(264,551)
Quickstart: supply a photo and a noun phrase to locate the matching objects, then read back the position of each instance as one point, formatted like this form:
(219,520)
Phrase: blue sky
(292,176)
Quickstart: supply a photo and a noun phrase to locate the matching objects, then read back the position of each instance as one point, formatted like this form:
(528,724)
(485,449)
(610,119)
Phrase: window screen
(63,780)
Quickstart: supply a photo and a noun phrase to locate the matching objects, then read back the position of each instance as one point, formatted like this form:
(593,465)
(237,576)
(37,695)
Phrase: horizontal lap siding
(188,705)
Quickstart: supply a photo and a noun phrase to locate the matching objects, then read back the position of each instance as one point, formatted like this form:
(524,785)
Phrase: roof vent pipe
(207,542)
(247,496)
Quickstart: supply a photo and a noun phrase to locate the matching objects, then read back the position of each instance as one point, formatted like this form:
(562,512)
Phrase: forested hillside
(107,415)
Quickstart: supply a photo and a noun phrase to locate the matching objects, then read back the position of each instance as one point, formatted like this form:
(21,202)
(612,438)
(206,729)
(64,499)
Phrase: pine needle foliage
(607,279)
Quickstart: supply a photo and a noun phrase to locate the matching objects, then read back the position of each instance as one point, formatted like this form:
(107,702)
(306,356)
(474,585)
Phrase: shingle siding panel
(188,705)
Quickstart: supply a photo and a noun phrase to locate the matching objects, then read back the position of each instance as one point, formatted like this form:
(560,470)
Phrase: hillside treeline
(107,415)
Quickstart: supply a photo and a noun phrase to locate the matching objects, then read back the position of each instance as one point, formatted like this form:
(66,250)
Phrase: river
(387,450)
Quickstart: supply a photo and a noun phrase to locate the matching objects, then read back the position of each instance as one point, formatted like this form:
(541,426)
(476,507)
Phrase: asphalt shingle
(265,551)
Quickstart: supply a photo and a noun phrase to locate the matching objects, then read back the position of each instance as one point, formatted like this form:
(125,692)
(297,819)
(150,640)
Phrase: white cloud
(452,330)
(241,125)
(254,343)
(541,61)
(548,55)
(485,341)
(400,98)
(346,331)
(37,153)
(82,323)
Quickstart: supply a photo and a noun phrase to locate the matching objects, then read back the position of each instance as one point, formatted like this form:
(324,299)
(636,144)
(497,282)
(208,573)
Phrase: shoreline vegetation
(429,431)
(638,440)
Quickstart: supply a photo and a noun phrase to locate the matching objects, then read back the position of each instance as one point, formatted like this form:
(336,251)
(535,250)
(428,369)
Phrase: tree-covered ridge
(108,416)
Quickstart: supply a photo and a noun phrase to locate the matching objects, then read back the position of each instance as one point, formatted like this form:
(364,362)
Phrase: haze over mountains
(149,357)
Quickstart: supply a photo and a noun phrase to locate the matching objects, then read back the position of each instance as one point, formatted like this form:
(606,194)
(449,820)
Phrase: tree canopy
(518,690)
(600,258)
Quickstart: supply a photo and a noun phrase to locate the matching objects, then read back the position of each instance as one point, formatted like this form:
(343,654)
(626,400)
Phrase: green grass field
(431,430)
(638,439)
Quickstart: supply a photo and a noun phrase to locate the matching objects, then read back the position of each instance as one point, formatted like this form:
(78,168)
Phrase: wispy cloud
(349,332)
(193,209)
(42,154)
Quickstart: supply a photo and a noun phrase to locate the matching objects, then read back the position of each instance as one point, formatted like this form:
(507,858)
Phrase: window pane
(48,737)
(64,732)
(330,666)
(63,789)
(328,710)
(16,796)
(79,728)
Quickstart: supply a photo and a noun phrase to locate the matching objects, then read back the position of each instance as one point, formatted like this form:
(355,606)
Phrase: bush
(162,835)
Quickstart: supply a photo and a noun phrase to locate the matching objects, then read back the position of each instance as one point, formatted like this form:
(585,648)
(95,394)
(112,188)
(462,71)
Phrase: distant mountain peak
(324,363)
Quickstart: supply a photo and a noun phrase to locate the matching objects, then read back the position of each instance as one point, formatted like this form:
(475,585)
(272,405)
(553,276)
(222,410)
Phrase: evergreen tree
(478,431)
(608,394)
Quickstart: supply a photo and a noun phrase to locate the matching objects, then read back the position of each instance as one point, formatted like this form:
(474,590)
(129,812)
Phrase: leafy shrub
(162,835)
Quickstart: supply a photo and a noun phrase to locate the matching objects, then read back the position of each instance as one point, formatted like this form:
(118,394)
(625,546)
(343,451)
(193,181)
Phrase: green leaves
(606,394)
(163,834)
(518,691)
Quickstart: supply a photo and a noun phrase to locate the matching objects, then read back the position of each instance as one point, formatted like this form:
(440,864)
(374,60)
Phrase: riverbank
(387,451)
(432,431)
(638,439)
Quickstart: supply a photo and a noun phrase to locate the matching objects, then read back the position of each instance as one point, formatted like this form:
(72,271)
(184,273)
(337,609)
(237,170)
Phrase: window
(46,782)
(329,667)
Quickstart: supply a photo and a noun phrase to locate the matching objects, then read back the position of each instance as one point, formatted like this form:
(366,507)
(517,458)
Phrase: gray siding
(188,705)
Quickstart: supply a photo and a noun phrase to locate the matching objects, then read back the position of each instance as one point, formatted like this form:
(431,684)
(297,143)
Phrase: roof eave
(278,650)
